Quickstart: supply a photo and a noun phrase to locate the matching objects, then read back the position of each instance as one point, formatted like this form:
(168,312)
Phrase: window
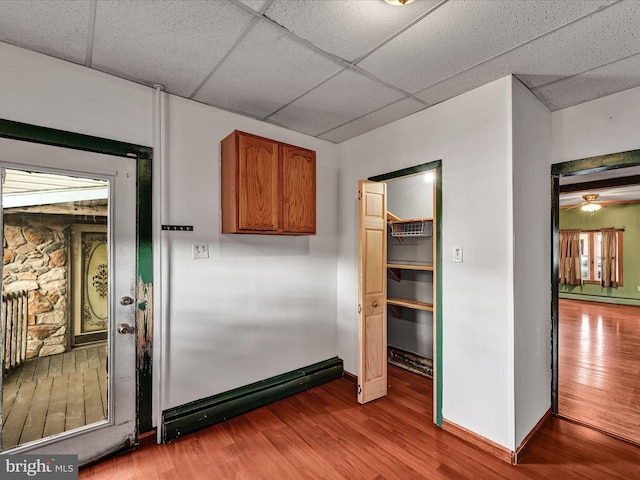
(591,257)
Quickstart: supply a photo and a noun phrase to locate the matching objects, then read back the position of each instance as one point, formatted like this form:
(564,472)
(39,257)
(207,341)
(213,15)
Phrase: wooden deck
(51,395)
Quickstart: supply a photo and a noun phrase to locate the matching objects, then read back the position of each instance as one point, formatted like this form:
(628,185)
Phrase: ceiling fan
(592,204)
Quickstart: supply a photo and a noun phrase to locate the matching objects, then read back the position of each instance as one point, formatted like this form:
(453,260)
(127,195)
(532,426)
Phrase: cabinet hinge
(359,308)
(359,195)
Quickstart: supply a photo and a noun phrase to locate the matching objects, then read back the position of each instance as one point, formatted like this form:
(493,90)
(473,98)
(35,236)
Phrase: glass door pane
(55,304)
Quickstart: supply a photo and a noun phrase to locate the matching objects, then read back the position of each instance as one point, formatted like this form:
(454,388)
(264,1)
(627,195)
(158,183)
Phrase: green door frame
(437,166)
(144,248)
(600,163)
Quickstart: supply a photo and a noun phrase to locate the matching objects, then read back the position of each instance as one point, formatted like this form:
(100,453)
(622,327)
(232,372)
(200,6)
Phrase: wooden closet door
(372,291)
(298,190)
(258,184)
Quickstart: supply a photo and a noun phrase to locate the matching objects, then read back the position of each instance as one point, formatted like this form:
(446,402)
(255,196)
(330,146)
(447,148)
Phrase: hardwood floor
(51,395)
(599,366)
(324,433)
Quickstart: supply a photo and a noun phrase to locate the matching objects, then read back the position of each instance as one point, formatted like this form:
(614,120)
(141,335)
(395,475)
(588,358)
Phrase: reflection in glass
(54,304)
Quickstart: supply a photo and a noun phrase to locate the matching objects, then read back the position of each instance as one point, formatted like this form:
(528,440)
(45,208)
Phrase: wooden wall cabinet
(268,187)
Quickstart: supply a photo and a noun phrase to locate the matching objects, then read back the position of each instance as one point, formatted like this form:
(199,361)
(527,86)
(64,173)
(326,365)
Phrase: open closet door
(372,291)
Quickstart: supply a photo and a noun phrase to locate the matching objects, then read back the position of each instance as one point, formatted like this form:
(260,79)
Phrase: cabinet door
(299,190)
(258,184)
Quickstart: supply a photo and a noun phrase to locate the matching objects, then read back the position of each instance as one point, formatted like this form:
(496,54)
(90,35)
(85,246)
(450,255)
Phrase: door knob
(126,301)
(125,328)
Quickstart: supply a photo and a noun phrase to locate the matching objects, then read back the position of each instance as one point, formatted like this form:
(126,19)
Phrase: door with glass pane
(68,308)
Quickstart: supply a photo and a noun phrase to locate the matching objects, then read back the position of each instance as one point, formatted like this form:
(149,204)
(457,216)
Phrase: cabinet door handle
(375,304)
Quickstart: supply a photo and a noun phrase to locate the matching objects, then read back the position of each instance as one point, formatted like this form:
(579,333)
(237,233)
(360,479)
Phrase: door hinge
(359,308)
(359,389)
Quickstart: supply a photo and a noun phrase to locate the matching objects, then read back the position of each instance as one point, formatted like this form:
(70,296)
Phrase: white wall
(265,305)
(532,253)
(411,197)
(471,134)
(607,125)
(44,91)
(260,305)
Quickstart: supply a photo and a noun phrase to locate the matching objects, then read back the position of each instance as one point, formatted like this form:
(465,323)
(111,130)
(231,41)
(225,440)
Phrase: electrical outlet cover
(200,250)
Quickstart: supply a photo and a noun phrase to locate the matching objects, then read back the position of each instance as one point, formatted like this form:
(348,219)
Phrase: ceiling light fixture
(399,2)
(590,207)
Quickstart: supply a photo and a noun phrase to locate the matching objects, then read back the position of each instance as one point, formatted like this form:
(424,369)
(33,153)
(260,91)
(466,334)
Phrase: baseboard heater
(194,416)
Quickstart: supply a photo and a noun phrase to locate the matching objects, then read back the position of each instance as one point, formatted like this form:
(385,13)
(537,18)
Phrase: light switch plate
(200,250)
(457,254)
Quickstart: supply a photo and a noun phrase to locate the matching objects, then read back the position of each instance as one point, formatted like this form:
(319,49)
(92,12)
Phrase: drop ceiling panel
(173,43)
(378,118)
(566,52)
(53,27)
(256,5)
(559,54)
(341,99)
(348,29)
(265,72)
(593,84)
(460,35)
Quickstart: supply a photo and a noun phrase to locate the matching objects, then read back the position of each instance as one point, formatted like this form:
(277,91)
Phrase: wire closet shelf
(411,228)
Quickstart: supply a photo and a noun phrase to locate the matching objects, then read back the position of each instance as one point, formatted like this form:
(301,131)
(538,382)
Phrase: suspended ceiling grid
(335,69)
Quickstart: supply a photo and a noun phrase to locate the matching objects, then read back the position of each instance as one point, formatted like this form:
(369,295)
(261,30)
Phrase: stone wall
(36,259)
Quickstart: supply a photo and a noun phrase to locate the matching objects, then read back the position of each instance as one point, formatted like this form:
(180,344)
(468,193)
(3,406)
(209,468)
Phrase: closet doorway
(400,311)
(596,298)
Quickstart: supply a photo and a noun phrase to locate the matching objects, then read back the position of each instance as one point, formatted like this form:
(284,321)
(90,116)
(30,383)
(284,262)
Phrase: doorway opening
(595,297)
(409,324)
(62,317)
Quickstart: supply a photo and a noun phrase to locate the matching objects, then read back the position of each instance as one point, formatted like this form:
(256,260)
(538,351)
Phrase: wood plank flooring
(599,366)
(324,433)
(51,395)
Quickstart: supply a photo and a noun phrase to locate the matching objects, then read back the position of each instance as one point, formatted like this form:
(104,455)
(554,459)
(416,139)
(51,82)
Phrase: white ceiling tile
(557,55)
(346,96)
(53,27)
(256,5)
(596,83)
(173,43)
(383,116)
(557,47)
(265,72)
(455,86)
(348,29)
(459,35)
(581,46)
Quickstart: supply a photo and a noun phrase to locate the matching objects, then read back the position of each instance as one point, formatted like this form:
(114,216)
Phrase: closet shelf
(401,302)
(408,265)
(413,227)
